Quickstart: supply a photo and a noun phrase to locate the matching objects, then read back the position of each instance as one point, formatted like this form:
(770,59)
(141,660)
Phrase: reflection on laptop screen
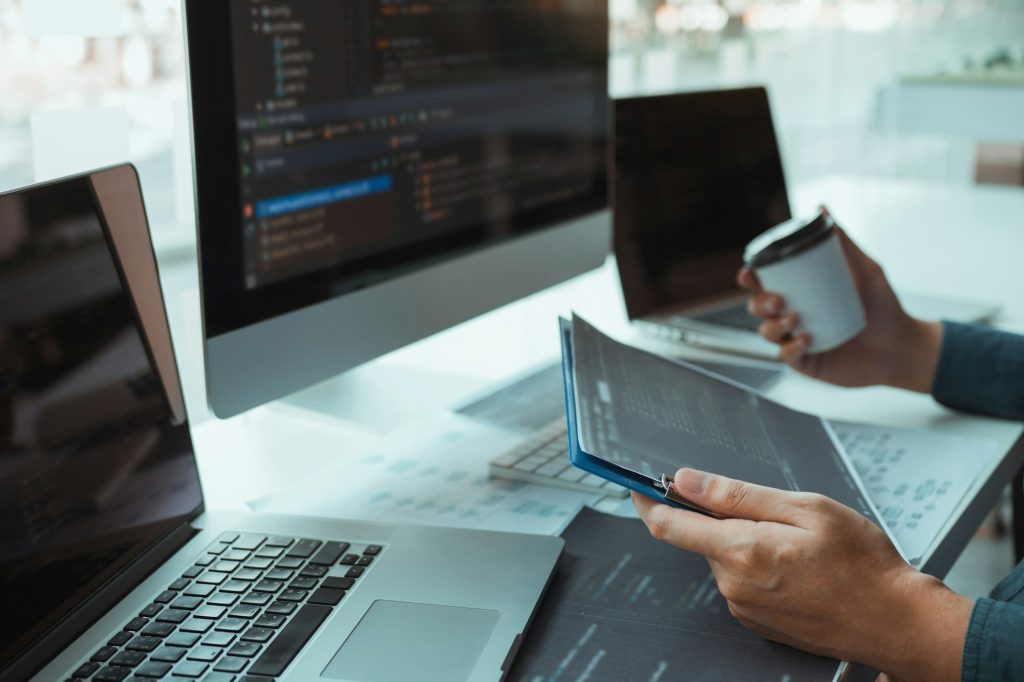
(93,467)
(697,175)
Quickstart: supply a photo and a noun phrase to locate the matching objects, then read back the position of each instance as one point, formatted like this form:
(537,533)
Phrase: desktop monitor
(371,172)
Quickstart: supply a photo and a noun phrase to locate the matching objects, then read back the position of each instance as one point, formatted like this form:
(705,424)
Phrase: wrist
(918,351)
(927,628)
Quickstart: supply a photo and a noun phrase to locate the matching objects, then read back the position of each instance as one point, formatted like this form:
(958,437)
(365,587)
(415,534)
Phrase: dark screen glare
(697,176)
(93,468)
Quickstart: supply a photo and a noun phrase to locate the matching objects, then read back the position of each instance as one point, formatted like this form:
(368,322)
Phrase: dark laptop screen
(697,175)
(93,466)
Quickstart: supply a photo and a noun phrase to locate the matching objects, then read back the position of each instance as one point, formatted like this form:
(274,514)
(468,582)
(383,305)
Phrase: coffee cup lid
(787,239)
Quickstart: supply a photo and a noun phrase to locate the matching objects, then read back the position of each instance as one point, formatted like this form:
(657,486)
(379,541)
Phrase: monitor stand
(382,397)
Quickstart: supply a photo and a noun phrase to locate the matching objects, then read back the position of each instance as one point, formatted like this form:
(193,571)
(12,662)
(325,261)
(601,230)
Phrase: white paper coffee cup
(803,261)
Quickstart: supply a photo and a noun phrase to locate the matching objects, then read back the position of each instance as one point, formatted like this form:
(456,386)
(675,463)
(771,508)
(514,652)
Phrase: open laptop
(697,176)
(109,567)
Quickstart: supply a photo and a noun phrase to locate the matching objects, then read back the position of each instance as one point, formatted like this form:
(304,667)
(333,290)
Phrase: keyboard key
(219,639)
(113,673)
(231,664)
(364,561)
(236,554)
(304,583)
(143,643)
(304,548)
(232,625)
(247,649)
(279,653)
(103,654)
(151,610)
(225,566)
(354,572)
(270,552)
(326,596)
(289,562)
(192,572)
(235,586)
(282,608)
(248,574)
(372,549)
(129,659)
(292,594)
(172,616)
(195,625)
(223,677)
(314,571)
(280,574)
(207,559)
(270,620)
(199,590)
(216,549)
(257,598)
(259,635)
(212,578)
(179,584)
(350,559)
(183,639)
(329,553)
(86,669)
(278,541)
(169,654)
(244,611)
(268,586)
(223,599)
(203,653)
(120,638)
(210,611)
(158,629)
(249,541)
(186,603)
(191,669)
(260,564)
(154,669)
(228,538)
(338,583)
(136,624)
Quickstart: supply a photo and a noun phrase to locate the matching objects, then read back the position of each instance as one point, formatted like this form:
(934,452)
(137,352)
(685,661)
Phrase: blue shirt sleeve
(981,370)
(994,647)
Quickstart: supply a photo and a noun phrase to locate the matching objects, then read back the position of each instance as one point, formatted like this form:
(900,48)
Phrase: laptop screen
(94,467)
(697,176)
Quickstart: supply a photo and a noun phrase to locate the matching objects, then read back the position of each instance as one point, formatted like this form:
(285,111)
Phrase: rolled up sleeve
(994,647)
(981,370)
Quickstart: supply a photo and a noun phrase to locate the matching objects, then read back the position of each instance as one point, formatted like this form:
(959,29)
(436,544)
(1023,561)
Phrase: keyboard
(241,613)
(544,459)
(734,316)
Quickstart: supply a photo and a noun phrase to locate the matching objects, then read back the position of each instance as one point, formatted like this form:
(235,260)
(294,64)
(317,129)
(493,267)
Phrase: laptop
(110,568)
(697,176)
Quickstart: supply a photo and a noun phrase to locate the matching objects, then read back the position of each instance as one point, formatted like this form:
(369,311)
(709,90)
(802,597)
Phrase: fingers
(764,305)
(737,499)
(794,350)
(778,329)
(746,279)
(860,263)
(685,529)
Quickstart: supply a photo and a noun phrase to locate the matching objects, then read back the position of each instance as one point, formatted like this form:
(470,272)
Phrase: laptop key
(168,654)
(292,595)
(280,574)
(372,549)
(257,598)
(326,596)
(232,625)
(260,635)
(289,562)
(228,538)
(225,566)
(282,608)
(192,572)
(120,638)
(136,623)
(304,583)
(186,603)
(203,653)
(209,611)
(86,669)
(195,625)
(354,572)
(231,664)
(154,669)
(212,578)
(223,599)
(236,554)
(290,640)
(364,561)
(199,590)
(270,552)
(220,639)
(172,616)
(304,548)
(268,586)
(247,649)
(112,673)
(249,541)
(248,574)
(350,559)
(314,571)
(329,553)
(235,586)
(259,563)
(151,611)
(158,629)
(269,620)
(216,676)
(278,541)
(179,584)
(143,643)
(206,559)
(165,596)
(244,611)
(338,583)
(191,669)
(183,639)
(104,654)
(129,659)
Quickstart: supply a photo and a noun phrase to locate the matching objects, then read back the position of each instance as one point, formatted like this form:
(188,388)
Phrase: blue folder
(660,488)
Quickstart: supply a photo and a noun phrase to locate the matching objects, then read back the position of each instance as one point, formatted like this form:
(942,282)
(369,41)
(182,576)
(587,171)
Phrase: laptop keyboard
(544,459)
(240,614)
(735,316)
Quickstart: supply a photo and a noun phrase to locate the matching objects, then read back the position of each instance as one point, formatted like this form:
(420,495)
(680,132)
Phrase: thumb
(736,499)
(861,265)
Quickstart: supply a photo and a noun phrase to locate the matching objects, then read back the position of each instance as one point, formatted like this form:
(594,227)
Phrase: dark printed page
(623,606)
(653,415)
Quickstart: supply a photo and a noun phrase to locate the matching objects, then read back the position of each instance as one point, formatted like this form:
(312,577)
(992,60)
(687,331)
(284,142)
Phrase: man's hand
(804,570)
(894,349)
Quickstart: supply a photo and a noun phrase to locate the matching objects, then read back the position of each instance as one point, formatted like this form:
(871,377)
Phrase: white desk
(938,238)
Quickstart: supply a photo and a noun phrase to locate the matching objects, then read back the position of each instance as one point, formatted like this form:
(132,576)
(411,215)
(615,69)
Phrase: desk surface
(930,238)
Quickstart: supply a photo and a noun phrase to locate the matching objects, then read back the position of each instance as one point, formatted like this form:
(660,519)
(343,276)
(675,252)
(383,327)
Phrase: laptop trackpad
(402,641)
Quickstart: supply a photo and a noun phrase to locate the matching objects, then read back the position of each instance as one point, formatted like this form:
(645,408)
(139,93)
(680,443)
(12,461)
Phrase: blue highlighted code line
(303,201)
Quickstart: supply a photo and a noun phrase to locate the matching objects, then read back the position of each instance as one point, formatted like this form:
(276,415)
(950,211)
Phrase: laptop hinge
(89,611)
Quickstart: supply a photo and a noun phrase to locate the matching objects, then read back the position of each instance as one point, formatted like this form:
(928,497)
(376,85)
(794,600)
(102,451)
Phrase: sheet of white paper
(433,472)
(72,141)
(915,477)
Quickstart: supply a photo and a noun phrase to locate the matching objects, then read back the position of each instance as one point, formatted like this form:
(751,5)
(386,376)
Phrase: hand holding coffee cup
(883,349)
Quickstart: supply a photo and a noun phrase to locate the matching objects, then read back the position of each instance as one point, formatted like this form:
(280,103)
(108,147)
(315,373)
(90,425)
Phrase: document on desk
(916,478)
(652,415)
(623,606)
(433,472)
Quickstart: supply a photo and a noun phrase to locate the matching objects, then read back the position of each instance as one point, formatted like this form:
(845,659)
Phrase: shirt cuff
(992,650)
(980,370)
